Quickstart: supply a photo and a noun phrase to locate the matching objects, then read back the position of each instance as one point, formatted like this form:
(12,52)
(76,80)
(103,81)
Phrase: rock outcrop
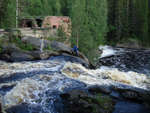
(0,106)
(12,53)
(79,101)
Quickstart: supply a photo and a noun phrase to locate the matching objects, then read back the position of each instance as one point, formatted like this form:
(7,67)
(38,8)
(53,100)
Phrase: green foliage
(1,43)
(1,49)
(102,102)
(24,46)
(48,48)
(62,35)
(128,17)
(89,25)
(9,20)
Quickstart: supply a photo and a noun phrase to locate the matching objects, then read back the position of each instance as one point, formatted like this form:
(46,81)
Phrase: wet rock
(133,93)
(18,56)
(130,95)
(0,106)
(115,95)
(130,107)
(23,108)
(8,47)
(60,47)
(78,101)
(38,55)
(76,59)
(5,57)
(145,97)
(6,87)
(99,89)
(10,52)
(36,42)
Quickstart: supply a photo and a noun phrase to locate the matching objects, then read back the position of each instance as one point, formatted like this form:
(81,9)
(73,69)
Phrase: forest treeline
(94,22)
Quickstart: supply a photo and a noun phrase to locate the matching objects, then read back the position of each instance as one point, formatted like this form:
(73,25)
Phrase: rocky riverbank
(33,49)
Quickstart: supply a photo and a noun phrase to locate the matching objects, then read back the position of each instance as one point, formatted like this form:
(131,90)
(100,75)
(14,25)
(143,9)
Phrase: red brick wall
(58,21)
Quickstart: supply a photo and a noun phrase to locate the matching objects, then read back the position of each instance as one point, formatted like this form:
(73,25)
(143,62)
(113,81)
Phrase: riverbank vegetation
(9,40)
(93,22)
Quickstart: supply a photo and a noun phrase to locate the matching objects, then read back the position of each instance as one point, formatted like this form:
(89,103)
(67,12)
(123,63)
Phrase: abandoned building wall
(27,23)
(55,22)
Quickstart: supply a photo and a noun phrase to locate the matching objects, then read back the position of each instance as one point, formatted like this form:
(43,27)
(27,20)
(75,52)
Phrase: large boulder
(9,47)
(36,42)
(79,101)
(7,50)
(60,47)
(10,52)
(38,55)
(0,105)
(52,44)
(18,56)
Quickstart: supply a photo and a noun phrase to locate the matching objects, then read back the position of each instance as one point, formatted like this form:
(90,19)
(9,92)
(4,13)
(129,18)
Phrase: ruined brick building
(52,22)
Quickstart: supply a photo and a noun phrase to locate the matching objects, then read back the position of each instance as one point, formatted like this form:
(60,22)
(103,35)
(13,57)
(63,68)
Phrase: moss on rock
(78,101)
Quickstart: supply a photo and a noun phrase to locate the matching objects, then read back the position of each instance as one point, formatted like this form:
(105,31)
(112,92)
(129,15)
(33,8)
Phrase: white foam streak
(105,76)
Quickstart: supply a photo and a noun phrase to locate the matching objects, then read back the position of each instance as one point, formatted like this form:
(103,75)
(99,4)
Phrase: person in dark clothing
(75,50)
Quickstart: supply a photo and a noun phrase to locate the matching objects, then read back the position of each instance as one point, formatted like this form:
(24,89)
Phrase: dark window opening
(29,24)
(39,22)
(54,26)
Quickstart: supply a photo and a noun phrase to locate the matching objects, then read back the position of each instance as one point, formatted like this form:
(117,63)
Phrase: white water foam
(107,51)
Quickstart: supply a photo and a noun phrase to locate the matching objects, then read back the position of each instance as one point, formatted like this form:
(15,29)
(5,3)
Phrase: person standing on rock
(75,50)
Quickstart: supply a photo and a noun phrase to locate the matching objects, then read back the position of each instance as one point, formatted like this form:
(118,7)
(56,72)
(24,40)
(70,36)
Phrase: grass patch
(101,102)
(48,48)
(105,102)
(1,42)
(58,39)
(61,36)
(24,46)
(1,49)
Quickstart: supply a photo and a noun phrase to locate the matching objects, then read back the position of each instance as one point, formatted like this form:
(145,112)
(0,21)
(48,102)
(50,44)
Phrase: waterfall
(42,45)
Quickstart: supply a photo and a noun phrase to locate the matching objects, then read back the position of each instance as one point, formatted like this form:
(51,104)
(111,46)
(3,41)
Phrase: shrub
(1,49)
(21,45)
(48,48)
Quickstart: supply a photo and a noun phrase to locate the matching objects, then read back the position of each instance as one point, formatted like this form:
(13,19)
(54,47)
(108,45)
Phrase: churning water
(34,87)
(125,59)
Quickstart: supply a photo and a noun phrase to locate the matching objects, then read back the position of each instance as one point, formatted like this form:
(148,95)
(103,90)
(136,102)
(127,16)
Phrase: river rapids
(35,87)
